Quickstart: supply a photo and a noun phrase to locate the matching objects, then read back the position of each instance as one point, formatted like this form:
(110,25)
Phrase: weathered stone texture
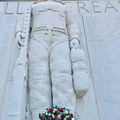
(100,38)
(7,28)
(87,110)
(102,34)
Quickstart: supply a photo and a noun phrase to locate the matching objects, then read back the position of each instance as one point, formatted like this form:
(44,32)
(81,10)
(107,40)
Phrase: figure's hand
(74,44)
(19,39)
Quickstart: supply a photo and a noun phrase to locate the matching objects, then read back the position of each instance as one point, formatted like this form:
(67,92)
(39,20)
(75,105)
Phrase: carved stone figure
(56,63)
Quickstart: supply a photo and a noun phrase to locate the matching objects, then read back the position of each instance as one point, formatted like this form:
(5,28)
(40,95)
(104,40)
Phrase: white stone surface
(87,107)
(72,6)
(103,41)
(1,7)
(82,7)
(99,43)
(10,8)
(105,6)
(17,105)
(7,25)
(52,23)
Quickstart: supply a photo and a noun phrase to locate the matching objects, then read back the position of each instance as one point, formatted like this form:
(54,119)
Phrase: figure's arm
(81,80)
(73,31)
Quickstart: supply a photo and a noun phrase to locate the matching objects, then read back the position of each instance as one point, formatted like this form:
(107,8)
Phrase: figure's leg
(62,84)
(39,81)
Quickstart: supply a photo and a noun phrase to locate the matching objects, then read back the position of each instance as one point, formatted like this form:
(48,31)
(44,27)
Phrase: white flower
(54,110)
(49,114)
(73,118)
(59,116)
(53,116)
(46,113)
(66,112)
(67,116)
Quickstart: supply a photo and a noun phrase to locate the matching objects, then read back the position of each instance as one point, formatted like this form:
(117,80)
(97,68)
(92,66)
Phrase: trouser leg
(62,84)
(39,80)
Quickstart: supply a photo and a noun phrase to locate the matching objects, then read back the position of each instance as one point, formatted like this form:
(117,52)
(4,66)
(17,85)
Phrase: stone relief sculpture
(57,66)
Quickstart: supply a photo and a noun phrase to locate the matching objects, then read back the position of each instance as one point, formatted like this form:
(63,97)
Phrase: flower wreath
(56,113)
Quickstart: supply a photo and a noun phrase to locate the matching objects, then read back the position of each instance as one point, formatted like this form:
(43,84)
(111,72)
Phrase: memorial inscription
(98,6)
(101,35)
(81,7)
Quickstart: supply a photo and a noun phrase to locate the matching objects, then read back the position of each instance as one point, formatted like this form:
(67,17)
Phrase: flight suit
(50,77)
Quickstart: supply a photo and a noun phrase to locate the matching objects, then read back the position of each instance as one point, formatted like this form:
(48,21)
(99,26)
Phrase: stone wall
(81,7)
(98,23)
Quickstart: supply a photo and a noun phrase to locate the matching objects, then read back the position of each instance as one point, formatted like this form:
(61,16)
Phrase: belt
(52,29)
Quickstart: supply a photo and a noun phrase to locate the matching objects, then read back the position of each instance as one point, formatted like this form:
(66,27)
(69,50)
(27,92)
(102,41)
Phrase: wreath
(57,113)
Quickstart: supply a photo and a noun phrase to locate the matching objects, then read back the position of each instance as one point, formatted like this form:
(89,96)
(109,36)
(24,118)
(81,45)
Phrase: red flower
(56,112)
(41,117)
(71,115)
(56,115)
(47,116)
(61,110)
(62,117)
(50,110)
(58,108)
